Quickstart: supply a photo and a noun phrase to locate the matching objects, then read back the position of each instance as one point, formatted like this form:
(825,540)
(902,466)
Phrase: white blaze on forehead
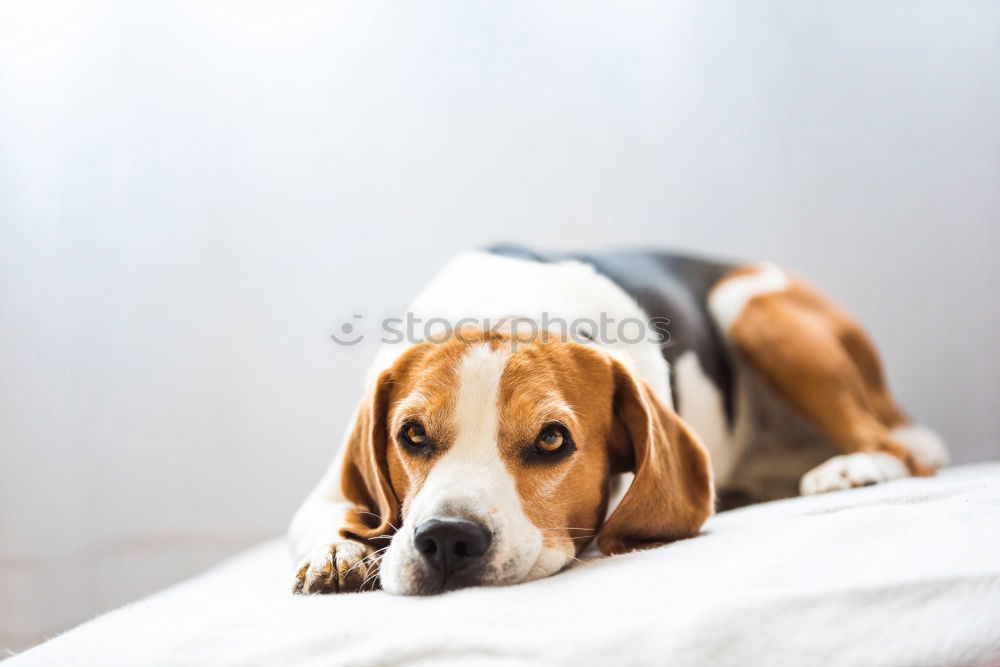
(476,414)
(470,478)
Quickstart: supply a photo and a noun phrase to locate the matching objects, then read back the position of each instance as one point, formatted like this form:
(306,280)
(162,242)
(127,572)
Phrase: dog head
(486,460)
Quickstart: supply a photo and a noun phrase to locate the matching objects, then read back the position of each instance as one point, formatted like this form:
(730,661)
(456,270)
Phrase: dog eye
(413,435)
(552,439)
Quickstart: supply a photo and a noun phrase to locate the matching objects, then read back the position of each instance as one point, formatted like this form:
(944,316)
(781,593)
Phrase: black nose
(451,544)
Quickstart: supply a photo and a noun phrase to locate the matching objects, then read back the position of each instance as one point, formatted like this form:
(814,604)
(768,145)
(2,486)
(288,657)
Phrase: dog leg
(818,360)
(327,561)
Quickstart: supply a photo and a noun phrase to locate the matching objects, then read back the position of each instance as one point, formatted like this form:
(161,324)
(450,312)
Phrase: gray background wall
(193,196)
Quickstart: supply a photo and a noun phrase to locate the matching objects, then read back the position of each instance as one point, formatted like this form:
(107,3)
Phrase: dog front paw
(341,567)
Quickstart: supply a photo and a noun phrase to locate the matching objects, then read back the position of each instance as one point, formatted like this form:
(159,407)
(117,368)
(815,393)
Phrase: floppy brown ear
(671,495)
(364,477)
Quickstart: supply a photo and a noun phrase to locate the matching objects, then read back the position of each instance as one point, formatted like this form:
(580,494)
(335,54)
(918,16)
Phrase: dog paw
(852,470)
(926,446)
(341,567)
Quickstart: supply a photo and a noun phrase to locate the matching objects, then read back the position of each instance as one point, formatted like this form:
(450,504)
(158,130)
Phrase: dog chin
(428,582)
(422,580)
(415,578)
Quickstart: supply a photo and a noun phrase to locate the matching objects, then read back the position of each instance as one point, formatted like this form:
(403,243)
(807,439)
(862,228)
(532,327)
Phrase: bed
(905,573)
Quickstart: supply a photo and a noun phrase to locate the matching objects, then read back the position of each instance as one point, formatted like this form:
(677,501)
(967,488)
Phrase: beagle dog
(492,453)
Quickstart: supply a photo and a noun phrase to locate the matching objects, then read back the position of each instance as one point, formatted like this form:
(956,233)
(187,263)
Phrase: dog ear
(671,495)
(364,473)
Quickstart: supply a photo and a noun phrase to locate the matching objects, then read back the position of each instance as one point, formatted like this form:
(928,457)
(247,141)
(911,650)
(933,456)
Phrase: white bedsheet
(906,573)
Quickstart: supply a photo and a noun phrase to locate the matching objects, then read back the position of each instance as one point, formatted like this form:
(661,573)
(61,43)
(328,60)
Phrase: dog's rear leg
(807,351)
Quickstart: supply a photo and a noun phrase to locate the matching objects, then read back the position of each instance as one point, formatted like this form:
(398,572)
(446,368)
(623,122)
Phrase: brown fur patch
(551,381)
(671,495)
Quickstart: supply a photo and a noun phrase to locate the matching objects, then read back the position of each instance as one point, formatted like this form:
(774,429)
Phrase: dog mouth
(510,569)
(431,582)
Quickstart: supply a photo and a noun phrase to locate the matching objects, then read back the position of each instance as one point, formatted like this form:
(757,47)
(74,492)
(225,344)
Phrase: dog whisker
(373,577)
(365,560)
(394,527)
